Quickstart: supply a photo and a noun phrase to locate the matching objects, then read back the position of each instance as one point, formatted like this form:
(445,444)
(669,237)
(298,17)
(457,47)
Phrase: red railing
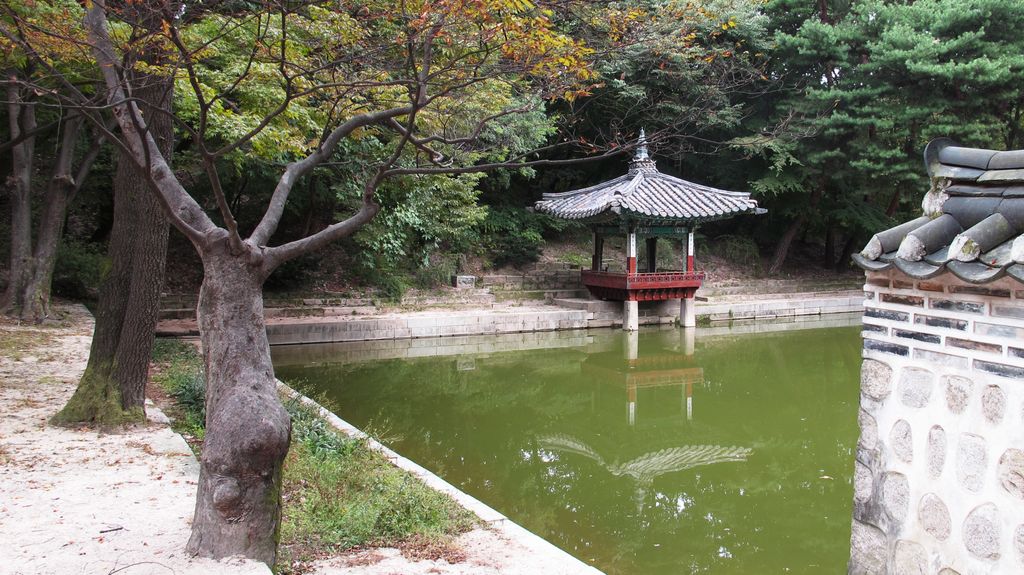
(653,280)
(655,286)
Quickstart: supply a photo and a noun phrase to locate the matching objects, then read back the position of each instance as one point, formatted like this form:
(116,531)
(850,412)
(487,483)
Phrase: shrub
(513,235)
(437,271)
(577,260)
(79,269)
(391,284)
(315,433)
(294,273)
(737,249)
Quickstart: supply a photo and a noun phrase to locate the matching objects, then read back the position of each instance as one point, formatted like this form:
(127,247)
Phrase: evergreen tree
(872,82)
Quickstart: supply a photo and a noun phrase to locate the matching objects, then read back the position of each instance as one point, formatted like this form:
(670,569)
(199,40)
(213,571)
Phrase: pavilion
(646,203)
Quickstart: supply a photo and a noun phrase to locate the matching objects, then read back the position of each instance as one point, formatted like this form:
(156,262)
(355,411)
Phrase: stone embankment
(547,299)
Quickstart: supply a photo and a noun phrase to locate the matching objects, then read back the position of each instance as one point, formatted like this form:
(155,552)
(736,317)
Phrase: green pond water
(648,454)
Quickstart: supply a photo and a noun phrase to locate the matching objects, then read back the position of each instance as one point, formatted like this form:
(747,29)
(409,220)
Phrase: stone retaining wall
(939,472)
(805,304)
(541,279)
(427,325)
(356,351)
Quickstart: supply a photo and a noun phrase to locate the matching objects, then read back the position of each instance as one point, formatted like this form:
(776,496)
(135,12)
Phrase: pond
(651,453)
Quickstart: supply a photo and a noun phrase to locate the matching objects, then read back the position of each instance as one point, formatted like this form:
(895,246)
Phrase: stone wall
(542,277)
(939,472)
(782,307)
(427,324)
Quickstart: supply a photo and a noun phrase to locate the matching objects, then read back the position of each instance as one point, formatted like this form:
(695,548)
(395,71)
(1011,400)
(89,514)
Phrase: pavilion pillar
(690,267)
(630,315)
(688,305)
(631,309)
(652,255)
(598,258)
(688,312)
(631,252)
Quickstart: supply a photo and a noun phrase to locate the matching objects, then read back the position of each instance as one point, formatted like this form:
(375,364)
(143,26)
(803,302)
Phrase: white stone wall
(939,473)
(429,324)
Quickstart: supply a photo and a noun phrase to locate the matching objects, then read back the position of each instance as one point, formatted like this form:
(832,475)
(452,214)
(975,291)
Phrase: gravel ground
(79,501)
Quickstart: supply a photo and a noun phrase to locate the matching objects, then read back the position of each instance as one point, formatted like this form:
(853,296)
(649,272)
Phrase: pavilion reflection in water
(663,370)
(628,452)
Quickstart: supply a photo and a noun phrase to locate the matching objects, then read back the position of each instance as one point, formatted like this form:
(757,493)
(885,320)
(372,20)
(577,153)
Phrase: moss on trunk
(97,401)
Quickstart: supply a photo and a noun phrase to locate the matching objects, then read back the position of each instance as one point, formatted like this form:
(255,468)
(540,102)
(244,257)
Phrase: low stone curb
(487,514)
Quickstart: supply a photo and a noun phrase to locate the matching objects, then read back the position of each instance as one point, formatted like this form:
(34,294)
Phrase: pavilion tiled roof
(646,195)
(972,221)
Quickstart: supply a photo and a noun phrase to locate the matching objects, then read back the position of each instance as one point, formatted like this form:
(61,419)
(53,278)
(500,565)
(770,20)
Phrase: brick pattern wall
(939,472)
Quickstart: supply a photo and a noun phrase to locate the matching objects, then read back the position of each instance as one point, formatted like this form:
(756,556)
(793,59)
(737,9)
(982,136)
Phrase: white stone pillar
(630,315)
(631,346)
(689,340)
(690,253)
(688,312)
(631,252)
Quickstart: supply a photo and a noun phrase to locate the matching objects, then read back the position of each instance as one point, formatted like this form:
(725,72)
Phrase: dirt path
(76,501)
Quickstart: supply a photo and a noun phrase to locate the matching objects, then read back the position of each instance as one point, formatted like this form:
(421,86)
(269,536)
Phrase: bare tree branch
(183,211)
(296,170)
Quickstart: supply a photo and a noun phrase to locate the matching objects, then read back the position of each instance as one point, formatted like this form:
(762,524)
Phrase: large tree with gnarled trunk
(444,87)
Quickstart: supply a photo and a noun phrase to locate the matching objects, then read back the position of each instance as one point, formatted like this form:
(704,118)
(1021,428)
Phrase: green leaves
(870,82)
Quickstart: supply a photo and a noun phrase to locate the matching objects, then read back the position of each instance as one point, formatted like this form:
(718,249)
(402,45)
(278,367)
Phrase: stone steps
(562,278)
(334,307)
(471,297)
(540,294)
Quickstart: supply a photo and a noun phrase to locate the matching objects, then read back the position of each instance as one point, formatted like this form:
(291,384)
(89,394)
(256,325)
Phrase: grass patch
(337,494)
(16,344)
(577,259)
(178,370)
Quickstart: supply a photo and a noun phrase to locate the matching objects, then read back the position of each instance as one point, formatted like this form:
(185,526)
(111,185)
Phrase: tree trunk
(21,117)
(894,203)
(247,429)
(830,246)
(112,390)
(843,261)
(786,241)
(35,292)
(782,248)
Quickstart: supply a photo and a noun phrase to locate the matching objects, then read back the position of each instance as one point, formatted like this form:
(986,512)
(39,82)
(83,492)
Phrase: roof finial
(641,150)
